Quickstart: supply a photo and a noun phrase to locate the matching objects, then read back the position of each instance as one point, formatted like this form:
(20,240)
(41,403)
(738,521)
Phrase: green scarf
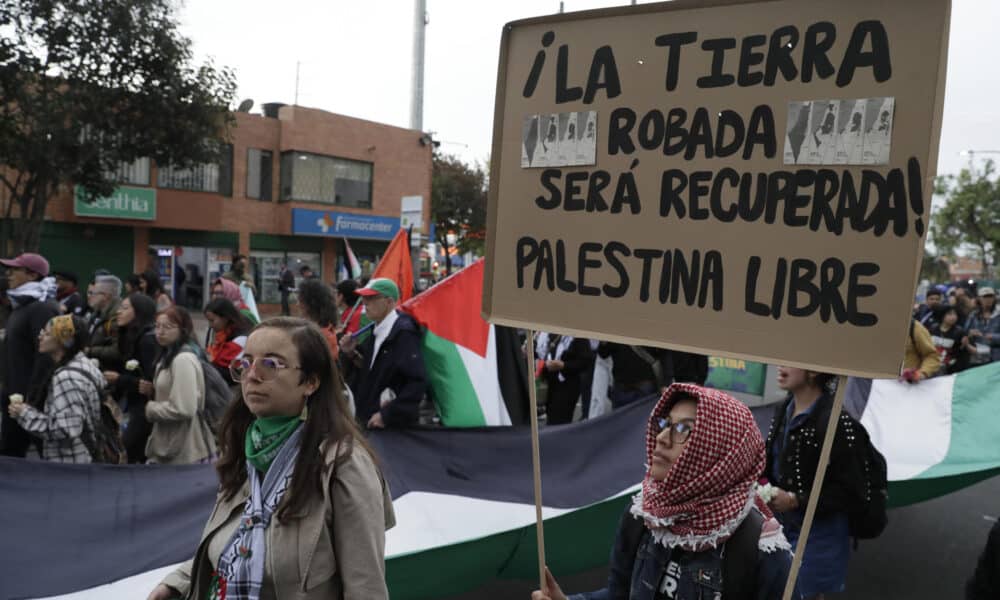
(265,437)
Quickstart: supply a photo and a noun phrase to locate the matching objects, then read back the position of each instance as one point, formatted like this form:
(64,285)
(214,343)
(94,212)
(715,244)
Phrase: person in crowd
(321,536)
(687,367)
(793,449)
(180,434)
(346,296)
(70,393)
(983,329)
(225,288)
(70,301)
(230,329)
(927,313)
(638,371)
(306,272)
(286,285)
(950,340)
(985,581)
(133,284)
(961,299)
(316,304)
(138,349)
(564,360)
(151,285)
(698,526)
(391,377)
(104,300)
(5,309)
(239,272)
(31,293)
(920,358)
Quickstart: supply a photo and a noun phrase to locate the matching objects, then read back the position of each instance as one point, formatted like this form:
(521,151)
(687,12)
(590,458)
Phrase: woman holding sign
(698,528)
(793,449)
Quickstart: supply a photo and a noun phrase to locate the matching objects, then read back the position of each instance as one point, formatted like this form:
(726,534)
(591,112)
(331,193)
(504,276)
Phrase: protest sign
(742,179)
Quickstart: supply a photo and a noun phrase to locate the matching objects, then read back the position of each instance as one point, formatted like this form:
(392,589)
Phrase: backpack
(218,394)
(103,438)
(739,560)
(868,519)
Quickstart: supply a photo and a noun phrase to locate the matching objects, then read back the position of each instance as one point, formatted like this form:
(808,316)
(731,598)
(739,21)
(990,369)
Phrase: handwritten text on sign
(690,206)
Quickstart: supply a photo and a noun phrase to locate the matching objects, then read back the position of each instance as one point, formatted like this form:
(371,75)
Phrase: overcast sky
(356,58)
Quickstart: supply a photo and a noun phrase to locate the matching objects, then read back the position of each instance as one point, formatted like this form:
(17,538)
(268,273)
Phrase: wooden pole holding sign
(824,460)
(536,461)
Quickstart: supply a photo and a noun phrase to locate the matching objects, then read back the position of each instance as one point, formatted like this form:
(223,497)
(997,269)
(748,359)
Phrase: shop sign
(336,224)
(124,203)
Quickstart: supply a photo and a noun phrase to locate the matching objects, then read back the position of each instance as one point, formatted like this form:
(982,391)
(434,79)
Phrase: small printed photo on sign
(850,128)
(559,140)
(878,131)
(796,132)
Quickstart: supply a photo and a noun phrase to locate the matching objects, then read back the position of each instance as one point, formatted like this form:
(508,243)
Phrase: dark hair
(179,316)
(933,292)
(305,268)
(348,288)
(79,341)
(145,319)
(153,283)
(329,423)
(825,381)
(225,308)
(237,258)
(317,300)
(133,280)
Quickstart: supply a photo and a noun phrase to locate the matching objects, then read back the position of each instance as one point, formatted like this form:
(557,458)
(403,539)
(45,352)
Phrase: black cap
(67,275)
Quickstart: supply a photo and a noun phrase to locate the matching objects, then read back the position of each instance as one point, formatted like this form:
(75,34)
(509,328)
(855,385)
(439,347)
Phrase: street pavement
(928,552)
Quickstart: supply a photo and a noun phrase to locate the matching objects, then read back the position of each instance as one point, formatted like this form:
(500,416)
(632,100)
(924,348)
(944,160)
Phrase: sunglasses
(266,368)
(679,431)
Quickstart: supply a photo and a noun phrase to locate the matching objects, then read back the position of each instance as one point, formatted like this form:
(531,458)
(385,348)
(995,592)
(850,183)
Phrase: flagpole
(824,460)
(536,462)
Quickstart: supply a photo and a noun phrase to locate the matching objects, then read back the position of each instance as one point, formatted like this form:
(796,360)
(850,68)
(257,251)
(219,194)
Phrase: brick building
(293,183)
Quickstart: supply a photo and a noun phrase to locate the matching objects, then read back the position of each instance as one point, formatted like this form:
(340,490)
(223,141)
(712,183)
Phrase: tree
(970,217)
(458,205)
(934,268)
(88,86)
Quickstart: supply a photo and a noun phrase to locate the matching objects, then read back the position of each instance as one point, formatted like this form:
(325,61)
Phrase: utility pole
(417,86)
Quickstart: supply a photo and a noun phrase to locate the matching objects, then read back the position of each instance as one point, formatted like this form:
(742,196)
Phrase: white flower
(16,398)
(766,492)
(132,365)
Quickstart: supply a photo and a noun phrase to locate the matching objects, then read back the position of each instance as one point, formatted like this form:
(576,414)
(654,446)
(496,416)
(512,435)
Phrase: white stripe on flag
(910,424)
(130,588)
(485,380)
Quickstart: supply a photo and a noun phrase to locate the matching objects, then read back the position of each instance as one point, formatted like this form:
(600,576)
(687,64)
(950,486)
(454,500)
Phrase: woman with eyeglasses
(793,447)
(302,509)
(698,528)
(70,394)
(180,434)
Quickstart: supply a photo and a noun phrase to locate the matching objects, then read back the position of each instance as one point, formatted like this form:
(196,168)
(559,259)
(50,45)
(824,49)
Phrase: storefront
(368,235)
(269,252)
(188,261)
(82,248)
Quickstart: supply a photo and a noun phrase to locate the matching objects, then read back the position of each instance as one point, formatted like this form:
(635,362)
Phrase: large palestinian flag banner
(463,497)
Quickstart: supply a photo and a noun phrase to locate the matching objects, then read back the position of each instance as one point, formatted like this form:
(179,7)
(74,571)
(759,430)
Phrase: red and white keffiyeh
(711,487)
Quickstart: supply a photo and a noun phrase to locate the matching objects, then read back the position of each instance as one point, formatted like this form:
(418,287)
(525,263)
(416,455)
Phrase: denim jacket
(699,576)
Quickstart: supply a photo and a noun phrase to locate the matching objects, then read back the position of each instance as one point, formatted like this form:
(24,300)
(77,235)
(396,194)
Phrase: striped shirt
(71,408)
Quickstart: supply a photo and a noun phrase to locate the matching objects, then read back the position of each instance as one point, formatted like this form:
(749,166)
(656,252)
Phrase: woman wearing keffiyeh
(302,509)
(698,528)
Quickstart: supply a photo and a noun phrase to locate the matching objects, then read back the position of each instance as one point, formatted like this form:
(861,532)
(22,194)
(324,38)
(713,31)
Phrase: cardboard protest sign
(759,186)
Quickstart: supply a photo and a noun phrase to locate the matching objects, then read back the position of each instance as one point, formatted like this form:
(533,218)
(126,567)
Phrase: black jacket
(844,484)
(398,366)
(24,367)
(985,582)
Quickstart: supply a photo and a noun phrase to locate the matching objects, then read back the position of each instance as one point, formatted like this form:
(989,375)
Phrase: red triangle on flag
(452,309)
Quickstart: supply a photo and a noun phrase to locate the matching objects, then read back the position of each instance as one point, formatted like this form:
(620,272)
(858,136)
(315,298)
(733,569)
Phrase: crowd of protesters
(953,330)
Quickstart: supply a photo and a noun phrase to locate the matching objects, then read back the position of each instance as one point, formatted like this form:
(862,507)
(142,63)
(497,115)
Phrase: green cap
(380,285)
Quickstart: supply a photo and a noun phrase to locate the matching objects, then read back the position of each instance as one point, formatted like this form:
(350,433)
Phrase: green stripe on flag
(454,394)
(574,542)
(974,451)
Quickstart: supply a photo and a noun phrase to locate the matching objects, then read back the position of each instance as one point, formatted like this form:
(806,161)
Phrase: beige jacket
(336,551)
(180,435)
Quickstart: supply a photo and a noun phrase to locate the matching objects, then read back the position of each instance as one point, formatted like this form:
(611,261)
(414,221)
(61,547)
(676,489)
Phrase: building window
(205,177)
(259,174)
(326,179)
(266,269)
(135,172)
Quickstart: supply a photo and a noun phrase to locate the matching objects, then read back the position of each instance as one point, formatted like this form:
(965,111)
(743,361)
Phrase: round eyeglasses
(679,431)
(266,368)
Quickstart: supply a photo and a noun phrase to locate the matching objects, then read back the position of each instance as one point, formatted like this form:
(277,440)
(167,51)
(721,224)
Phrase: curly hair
(317,300)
